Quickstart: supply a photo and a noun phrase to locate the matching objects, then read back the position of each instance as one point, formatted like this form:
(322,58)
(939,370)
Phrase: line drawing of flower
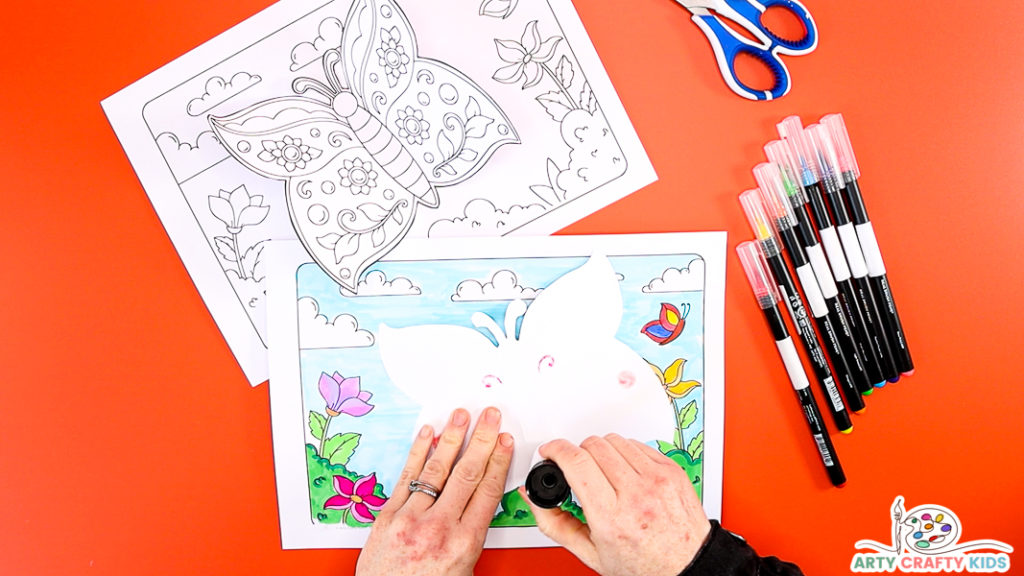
(288,152)
(392,55)
(343,395)
(412,126)
(498,8)
(527,58)
(358,176)
(356,498)
(238,209)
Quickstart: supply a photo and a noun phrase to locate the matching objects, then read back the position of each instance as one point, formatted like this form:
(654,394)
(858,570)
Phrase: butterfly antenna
(485,322)
(330,61)
(303,85)
(516,310)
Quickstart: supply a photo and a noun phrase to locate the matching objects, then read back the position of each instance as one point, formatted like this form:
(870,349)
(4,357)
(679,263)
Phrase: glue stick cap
(828,160)
(792,131)
(759,223)
(847,161)
(773,195)
(546,486)
(779,152)
(756,268)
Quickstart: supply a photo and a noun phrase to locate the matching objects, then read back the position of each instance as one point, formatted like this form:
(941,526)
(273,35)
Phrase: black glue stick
(546,485)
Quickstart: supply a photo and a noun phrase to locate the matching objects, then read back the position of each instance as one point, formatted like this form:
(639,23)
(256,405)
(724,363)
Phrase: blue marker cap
(792,131)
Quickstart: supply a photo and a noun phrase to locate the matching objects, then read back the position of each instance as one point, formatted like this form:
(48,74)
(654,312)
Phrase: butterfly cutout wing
(444,119)
(600,384)
(443,367)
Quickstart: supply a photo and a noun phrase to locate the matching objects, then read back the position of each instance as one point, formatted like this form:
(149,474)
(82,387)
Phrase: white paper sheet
(444,305)
(507,117)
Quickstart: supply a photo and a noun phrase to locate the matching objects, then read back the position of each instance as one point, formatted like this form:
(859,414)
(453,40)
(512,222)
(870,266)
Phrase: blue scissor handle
(752,14)
(728,44)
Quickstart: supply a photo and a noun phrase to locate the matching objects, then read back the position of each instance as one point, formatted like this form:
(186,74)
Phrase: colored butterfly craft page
(355,153)
(549,383)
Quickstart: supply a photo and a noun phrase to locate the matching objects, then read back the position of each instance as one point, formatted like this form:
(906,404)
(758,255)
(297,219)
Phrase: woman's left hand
(417,534)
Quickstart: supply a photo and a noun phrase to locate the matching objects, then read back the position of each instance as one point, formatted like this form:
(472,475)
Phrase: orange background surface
(130,443)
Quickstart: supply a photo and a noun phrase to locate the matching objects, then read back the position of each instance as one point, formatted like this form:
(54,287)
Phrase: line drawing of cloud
(305,53)
(219,91)
(317,331)
(482,218)
(689,279)
(376,283)
(186,159)
(503,285)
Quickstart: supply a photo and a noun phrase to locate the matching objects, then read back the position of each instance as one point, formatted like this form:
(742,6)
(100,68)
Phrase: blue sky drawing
(387,431)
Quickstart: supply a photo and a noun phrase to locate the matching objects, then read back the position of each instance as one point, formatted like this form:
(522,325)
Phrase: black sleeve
(725,554)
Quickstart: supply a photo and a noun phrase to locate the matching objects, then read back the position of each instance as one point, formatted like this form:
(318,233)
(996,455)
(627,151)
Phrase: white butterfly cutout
(389,130)
(565,376)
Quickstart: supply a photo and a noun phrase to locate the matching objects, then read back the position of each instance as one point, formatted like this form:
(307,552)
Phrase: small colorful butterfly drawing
(547,386)
(669,324)
(360,152)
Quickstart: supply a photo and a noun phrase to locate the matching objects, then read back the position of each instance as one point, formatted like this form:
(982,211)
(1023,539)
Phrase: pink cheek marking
(627,379)
(546,362)
(490,381)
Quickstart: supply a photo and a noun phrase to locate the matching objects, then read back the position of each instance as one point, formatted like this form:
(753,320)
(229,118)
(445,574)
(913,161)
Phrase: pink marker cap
(756,268)
(837,128)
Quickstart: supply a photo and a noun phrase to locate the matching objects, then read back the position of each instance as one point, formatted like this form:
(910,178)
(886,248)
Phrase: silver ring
(429,490)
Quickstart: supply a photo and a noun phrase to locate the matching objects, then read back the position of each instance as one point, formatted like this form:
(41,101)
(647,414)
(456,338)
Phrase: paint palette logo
(931,529)
(927,539)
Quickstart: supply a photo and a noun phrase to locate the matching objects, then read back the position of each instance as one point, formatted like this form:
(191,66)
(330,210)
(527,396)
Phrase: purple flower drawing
(343,395)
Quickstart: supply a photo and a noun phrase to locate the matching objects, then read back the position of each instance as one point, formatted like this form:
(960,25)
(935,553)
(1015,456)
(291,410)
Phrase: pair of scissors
(728,43)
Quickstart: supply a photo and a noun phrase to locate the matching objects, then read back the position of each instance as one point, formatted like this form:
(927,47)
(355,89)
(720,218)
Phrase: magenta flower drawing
(343,395)
(356,497)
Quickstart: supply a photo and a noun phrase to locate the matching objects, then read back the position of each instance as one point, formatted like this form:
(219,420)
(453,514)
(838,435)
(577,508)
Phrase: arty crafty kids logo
(927,539)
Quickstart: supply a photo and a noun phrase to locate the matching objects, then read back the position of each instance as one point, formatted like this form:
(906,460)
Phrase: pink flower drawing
(356,497)
(343,395)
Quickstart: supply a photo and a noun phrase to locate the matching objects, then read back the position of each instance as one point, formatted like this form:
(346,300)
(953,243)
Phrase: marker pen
(779,274)
(764,291)
(869,244)
(803,160)
(773,200)
(832,183)
(796,193)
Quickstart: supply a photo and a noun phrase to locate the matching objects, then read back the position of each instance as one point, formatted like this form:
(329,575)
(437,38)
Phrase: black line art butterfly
(377,140)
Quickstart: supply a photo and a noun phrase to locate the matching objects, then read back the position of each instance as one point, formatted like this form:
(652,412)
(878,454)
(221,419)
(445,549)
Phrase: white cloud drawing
(687,279)
(376,283)
(503,285)
(305,53)
(219,91)
(186,159)
(316,331)
(482,218)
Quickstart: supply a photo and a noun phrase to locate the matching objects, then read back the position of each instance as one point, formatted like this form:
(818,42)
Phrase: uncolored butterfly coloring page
(554,331)
(352,125)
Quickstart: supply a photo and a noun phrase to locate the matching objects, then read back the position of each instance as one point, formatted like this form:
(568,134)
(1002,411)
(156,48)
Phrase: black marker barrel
(842,247)
(890,318)
(799,173)
(819,309)
(852,378)
(764,291)
(765,233)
